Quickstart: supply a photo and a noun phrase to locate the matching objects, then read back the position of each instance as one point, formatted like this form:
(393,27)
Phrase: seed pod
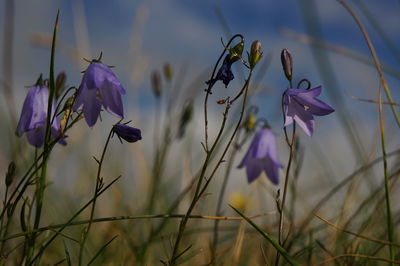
(10,174)
(235,53)
(250,122)
(60,83)
(287,63)
(186,116)
(167,72)
(156,83)
(255,54)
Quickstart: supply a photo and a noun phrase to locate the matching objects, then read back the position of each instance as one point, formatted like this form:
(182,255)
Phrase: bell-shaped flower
(262,155)
(300,105)
(34,117)
(224,73)
(99,87)
(128,133)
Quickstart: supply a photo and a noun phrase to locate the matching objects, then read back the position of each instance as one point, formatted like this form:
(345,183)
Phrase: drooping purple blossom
(128,133)
(99,87)
(224,73)
(300,105)
(262,155)
(34,117)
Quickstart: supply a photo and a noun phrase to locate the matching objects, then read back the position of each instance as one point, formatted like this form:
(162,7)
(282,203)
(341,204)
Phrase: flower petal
(254,168)
(272,170)
(34,110)
(96,74)
(36,136)
(315,106)
(303,118)
(111,99)
(91,106)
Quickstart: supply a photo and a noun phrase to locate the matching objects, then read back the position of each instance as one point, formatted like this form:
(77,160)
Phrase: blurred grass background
(140,37)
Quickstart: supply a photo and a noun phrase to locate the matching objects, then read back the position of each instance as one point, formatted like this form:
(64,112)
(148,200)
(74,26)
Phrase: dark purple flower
(130,134)
(300,105)
(34,117)
(224,73)
(262,155)
(99,87)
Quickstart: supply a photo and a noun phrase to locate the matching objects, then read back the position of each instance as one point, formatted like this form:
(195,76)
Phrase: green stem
(389,219)
(99,184)
(280,249)
(199,189)
(42,180)
(44,246)
(41,183)
(282,206)
(120,218)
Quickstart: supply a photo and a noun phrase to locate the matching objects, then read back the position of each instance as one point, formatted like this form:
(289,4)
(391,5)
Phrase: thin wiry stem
(358,256)
(389,219)
(380,241)
(376,60)
(133,217)
(45,245)
(208,90)
(291,145)
(201,189)
(333,191)
(99,184)
(381,123)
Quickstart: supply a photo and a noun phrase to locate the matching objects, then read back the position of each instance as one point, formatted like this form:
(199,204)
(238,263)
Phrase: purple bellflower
(262,155)
(34,117)
(99,87)
(300,105)
(224,73)
(128,133)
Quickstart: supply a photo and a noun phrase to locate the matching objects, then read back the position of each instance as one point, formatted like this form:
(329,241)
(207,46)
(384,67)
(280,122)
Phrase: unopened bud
(68,103)
(10,174)
(167,71)
(156,83)
(255,54)
(250,122)
(287,63)
(60,83)
(186,116)
(235,53)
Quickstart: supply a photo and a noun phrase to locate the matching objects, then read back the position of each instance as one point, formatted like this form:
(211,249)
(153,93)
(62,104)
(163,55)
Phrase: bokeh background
(138,37)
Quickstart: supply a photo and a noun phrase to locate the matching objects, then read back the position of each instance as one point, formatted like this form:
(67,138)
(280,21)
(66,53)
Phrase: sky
(138,37)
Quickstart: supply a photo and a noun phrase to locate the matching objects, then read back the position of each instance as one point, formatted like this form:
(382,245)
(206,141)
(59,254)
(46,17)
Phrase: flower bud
(287,63)
(156,83)
(235,53)
(255,54)
(60,83)
(69,102)
(250,122)
(167,72)
(10,174)
(128,133)
(186,116)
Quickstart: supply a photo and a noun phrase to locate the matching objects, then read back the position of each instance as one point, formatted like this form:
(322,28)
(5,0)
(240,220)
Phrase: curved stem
(210,85)
(130,217)
(199,189)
